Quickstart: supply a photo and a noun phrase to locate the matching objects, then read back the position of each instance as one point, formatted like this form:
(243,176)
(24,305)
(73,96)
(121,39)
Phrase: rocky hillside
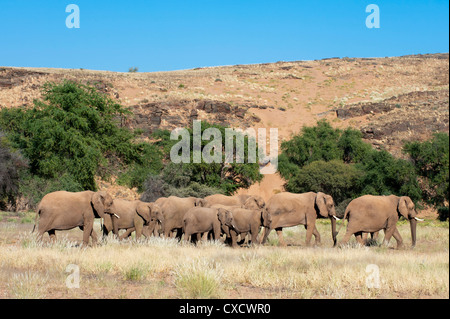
(391,100)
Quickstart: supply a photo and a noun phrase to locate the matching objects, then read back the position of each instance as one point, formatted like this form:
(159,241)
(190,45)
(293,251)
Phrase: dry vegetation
(164,268)
(286,95)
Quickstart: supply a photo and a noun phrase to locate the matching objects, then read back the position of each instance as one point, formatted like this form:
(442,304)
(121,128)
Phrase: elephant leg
(364,238)
(187,235)
(127,233)
(254,234)
(216,232)
(374,235)
(87,229)
(195,238)
(233,239)
(146,231)
(388,234)
(309,232)
(279,231)
(242,237)
(94,237)
(390,229)
(347,236)
(398,238)
(316,235)
(138,231)
(359,238)
(105,231)
(266,234)
(167,231)
(40,234)
(179,233)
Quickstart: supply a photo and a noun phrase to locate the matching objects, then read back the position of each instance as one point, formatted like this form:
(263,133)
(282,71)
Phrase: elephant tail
(346,214)
(38,212)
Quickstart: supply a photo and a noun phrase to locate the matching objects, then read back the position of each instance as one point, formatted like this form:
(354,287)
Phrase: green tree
(385,175)
(335,178)
(11,163)
(219,177)
(315,143)
(358,170)
(431,162)
(75,130)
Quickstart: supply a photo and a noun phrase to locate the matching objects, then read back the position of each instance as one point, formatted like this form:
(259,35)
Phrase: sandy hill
(391,100)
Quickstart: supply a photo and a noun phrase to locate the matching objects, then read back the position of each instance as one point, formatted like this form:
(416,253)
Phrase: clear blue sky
(170,35)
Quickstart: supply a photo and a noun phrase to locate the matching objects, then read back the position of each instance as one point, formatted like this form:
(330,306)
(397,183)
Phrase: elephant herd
(218,215)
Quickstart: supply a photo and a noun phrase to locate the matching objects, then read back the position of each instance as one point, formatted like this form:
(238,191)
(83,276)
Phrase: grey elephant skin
(369,214)
(247,201)
(63,210)
(173,209)
(290,209)
(133,216)
(202,220)
(245,221)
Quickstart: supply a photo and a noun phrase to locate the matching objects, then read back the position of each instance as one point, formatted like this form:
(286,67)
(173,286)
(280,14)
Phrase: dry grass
(164,268)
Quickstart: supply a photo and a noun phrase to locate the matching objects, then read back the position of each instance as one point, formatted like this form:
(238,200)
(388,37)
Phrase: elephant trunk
(162,227)
(115,225)
(413,224)
(333,230)
(266,234)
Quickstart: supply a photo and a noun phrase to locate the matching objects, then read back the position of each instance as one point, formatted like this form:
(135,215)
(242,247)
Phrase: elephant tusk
(336,218)
(117,215)
(419,219)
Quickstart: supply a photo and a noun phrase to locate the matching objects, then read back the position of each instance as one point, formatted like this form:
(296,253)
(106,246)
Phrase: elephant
(243,221)
(173,209)
(134,215)
(63,210)
(290,209)
(247,201)
(202,220)
(369,214)
(155,226)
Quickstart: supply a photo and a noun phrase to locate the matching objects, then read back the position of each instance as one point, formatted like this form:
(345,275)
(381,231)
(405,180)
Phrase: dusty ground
(158,268)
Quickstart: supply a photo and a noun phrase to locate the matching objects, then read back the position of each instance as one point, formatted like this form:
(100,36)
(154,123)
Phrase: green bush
(443,213)
(385,175)
(431,162)
(74,134)
(340,163)
(221,177)
(11,163)
(33,187)
(335,178)
(175,180)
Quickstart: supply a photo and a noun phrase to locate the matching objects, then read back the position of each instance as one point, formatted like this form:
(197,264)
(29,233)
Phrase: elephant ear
(144,210)
(403,206)
(200,202)
(251,203)
(260,202)
(228,217)
(221,213)
(264,216)
(321,204)
(98,202)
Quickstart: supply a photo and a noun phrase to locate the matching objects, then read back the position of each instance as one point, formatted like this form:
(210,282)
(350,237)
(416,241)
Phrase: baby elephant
(246,221)
(199,220)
